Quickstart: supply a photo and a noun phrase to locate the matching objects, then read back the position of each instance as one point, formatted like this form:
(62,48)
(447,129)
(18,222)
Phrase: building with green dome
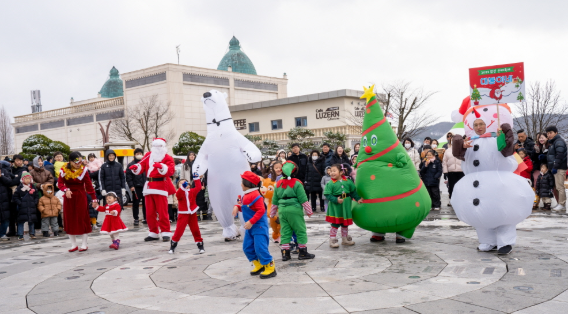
(113,87)
(236,59)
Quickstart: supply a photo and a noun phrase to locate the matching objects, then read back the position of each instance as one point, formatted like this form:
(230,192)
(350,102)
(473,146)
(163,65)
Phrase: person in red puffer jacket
(527,160)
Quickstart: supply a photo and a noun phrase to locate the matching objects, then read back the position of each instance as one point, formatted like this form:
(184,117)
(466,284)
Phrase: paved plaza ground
(438,271)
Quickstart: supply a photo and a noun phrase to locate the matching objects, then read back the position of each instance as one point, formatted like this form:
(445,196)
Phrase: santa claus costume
(187,208)
(113,224)
(75,182)
(158,167)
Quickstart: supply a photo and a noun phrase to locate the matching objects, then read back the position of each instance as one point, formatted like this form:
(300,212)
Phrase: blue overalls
(256,240)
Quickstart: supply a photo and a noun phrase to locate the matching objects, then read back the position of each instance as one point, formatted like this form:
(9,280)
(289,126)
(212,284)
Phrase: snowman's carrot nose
(477,115)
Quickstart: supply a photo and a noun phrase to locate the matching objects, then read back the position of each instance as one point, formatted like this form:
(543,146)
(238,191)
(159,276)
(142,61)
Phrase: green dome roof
(113,86)
(236,59)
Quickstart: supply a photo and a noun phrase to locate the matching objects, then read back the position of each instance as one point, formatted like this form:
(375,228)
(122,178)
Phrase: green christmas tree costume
(340,214)
(394,197)
(290,199)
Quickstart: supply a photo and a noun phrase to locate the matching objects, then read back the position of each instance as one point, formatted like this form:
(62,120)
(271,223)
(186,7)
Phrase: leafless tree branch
(6,133)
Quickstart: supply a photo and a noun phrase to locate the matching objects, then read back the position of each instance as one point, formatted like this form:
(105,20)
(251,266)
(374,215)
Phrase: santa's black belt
(154,179)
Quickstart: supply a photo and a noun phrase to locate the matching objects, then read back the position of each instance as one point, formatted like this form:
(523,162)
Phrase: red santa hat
(158,139)
(457,115)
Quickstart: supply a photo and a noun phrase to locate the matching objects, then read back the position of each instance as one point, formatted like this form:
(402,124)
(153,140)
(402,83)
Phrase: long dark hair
(188,164)
(342,154)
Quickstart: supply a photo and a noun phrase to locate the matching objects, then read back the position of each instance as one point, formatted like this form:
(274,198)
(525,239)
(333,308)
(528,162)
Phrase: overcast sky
(66,48)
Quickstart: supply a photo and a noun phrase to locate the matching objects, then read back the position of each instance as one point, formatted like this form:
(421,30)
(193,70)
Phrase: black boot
(149,238)
(45,234)
(56,234)
(305,255)
(173,246)
(200,247)
(286,255)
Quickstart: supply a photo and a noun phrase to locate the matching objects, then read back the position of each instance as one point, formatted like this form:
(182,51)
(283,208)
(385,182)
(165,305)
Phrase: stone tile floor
(438,271)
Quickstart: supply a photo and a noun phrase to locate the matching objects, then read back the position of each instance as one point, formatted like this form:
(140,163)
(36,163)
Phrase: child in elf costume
(187,213)
(112,225)
(339,191)
(290,201)
(255,244)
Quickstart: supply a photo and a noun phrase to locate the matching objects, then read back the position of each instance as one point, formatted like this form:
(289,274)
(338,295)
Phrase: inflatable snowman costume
(490,197)
(226,153)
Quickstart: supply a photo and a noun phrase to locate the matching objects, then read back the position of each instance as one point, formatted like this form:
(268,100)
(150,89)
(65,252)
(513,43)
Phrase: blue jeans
(4,227)
(21,228)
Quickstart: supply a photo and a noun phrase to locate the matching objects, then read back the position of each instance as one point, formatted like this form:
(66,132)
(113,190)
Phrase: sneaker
(436,208)
(173,246)
(32,236)
(20,238)
(98,224)
(200,247)
(505,250)
(558,208)
(166,239)
(230,239)
(449,204)
(95,227)
(491,249)
(144,222)
(4,238)
(136,222)
(400,240)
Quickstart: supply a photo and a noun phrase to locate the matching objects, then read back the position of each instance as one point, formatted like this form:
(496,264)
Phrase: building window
(276,124)
(302,121)
(253,127)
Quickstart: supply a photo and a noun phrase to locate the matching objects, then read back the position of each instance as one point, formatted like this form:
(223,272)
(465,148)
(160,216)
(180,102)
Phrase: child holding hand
(113,224)
(339,191)
(187,213)
(255,244)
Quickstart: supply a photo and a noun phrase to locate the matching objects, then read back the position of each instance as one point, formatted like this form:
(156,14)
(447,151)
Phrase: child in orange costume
(271,175)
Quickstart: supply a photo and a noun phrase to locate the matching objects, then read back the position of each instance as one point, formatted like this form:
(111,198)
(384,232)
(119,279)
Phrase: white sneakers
(558,208)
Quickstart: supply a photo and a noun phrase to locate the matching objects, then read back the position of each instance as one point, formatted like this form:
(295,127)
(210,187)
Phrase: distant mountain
(434,131)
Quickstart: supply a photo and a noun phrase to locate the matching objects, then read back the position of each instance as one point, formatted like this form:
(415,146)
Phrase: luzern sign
(331,113)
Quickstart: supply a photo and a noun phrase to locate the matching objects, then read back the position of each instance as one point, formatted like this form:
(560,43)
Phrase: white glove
(104,193)
(123,192)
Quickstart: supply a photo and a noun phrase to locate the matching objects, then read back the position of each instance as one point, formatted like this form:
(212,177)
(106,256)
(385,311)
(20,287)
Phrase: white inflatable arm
(249,150)
(201,163)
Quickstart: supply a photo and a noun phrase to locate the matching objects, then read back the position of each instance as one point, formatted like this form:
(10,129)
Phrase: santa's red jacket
(157,178)
(186,198)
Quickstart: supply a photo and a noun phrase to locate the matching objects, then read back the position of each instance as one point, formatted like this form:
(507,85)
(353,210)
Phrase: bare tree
(6,133)
(542,107)
(149,119)
(407,106)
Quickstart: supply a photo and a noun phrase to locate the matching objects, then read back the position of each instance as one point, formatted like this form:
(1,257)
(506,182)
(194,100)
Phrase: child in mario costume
(159,167)
(187,209)
(290,201)
(256,241)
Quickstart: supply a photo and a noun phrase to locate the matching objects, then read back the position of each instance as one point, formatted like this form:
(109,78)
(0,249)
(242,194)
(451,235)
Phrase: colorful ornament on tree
(394,197)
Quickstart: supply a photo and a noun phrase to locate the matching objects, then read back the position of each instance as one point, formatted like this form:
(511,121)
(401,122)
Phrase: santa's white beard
(158,153)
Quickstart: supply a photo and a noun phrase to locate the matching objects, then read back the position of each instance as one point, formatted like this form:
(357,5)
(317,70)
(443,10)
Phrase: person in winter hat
(255,244)
(544,187)
(112,224)
(111,176)
(158,167)
(49,206)
(39,174)
(324,180)
(26,197)
(290,201)
(187,213)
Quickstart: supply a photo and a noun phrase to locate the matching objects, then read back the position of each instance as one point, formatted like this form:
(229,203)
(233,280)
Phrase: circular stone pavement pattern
(438,271)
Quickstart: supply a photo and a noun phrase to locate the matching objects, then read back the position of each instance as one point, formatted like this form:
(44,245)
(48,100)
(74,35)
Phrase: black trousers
(136,201)
(314,196)
(13,215)
(453,178)
(434,192)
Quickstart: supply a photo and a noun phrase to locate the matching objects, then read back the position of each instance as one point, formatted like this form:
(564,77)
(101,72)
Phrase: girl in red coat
(187,208)
(527,160)
(112,225)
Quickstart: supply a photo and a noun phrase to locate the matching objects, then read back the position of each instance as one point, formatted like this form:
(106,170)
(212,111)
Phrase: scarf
(73,174)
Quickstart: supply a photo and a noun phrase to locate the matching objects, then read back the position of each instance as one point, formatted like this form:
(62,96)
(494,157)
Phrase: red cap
(251,177)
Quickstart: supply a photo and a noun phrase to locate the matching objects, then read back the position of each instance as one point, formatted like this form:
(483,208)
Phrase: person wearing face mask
(412,153)
(314,173)
(254,169)
(431,171)
(136,184)
(439,150)
(111,177)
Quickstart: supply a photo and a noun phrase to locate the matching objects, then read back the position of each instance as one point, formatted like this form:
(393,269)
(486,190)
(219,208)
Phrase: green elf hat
(289,167)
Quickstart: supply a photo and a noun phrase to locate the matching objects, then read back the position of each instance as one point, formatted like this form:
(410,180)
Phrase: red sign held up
(497,84)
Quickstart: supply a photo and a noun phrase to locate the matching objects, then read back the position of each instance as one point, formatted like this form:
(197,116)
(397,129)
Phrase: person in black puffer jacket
(6,178)
(340,157)
(300,159)
(136,185)
(430,172)
(557,164)
(27,197)
(544,187)
(17,169)
(312,182)
(111,177)
(326,155)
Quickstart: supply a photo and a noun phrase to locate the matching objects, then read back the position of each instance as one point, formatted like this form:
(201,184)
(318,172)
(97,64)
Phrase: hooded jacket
(314,173)
(40,175)
(27,199)
(49,205)
(325,179)
(556,156)
(5,192)
(545,184)
(111,175)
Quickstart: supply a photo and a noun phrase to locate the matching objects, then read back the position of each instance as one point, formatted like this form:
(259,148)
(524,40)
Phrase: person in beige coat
(412,153)
(452,169)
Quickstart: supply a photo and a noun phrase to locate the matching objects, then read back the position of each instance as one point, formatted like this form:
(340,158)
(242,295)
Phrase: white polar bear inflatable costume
(226,153)
(490,197)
